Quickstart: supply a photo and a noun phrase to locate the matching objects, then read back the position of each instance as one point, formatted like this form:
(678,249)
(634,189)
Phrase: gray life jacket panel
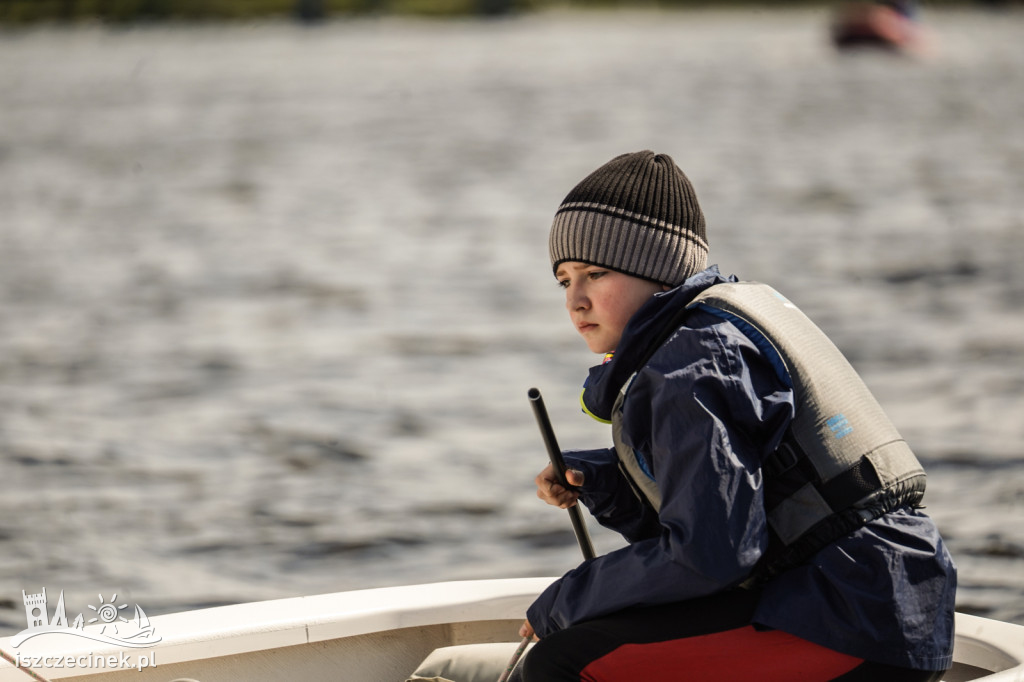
(841,463)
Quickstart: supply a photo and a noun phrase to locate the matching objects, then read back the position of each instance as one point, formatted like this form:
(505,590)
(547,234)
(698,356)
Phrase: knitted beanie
(637,214)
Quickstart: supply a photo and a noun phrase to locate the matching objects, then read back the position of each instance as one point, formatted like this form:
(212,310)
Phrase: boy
(771,509)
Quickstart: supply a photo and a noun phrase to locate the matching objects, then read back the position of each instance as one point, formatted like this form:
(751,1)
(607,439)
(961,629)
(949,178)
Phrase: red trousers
(703,640)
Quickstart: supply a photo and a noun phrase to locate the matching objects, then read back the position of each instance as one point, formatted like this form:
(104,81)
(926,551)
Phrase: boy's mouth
(584,327)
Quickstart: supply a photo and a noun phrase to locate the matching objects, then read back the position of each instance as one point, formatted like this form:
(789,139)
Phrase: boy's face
(601,301)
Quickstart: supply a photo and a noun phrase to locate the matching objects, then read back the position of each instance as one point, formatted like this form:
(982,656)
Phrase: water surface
(271,297)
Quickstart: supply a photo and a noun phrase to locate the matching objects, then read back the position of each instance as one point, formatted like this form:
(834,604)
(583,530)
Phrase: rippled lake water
(271,297)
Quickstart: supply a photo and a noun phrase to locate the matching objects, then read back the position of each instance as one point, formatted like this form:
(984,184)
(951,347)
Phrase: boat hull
(383,634)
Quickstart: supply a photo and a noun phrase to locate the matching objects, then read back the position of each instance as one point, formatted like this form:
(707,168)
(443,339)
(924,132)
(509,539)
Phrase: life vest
(841,463)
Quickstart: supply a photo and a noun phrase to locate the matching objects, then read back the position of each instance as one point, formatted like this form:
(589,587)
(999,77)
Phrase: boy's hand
(527,630)
(552,492)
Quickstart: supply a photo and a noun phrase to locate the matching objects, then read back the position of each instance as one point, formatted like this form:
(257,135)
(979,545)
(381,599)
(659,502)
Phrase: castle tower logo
(35,609)
(114,628)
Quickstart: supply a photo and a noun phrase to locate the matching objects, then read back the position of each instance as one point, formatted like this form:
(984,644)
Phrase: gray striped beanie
(637,214)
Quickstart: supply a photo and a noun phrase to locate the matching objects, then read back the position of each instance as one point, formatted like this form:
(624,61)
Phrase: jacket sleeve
(703,412)
(609,497)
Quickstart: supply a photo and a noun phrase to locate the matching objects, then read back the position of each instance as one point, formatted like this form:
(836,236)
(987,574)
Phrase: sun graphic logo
(108,614)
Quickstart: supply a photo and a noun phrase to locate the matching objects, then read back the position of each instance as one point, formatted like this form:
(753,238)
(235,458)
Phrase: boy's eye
(589,274)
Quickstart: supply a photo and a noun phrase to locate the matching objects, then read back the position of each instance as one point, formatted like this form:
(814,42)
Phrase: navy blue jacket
(704,412)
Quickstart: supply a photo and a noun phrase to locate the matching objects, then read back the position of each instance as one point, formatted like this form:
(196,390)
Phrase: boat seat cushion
(465,663)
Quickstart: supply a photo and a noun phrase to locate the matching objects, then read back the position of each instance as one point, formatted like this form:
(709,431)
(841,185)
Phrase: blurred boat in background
(887,25)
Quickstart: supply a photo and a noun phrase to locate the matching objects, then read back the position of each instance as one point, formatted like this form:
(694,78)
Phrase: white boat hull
(382,635)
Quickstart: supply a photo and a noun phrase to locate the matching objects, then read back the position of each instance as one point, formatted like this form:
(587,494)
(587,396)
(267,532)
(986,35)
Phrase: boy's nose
(576,300)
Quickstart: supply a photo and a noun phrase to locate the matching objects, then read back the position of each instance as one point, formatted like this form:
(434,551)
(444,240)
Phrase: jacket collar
(644,330)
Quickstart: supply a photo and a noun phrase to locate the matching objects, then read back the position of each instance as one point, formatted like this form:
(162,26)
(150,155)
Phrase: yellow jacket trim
(593,416)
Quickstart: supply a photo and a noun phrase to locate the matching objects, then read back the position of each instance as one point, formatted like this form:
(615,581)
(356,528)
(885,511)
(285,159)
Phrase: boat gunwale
(257,626)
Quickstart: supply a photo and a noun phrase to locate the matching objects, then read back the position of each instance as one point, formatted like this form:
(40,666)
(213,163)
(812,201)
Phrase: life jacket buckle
(782,460)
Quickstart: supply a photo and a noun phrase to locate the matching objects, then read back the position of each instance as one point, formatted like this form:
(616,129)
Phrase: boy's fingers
(526,630)
(558,496)
(554,493)
(567,498)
